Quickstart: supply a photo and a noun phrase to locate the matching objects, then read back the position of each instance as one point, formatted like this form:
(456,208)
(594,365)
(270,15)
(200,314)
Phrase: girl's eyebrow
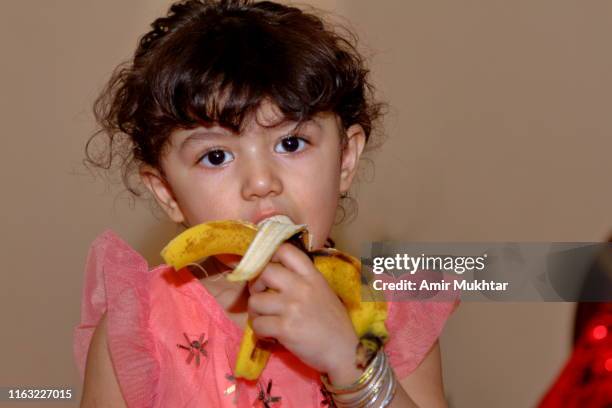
(201,135)
(313,122)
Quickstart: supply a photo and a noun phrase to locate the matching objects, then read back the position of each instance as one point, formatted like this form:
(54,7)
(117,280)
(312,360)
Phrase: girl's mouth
(259,217)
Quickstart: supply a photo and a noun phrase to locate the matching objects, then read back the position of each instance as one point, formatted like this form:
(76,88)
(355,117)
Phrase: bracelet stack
(375,388)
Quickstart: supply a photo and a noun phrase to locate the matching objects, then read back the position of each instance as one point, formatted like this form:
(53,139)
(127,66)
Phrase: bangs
(210,62)
(222,74)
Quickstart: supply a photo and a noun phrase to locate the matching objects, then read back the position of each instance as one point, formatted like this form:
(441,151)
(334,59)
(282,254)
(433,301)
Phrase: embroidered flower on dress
(195,348)
(265,398)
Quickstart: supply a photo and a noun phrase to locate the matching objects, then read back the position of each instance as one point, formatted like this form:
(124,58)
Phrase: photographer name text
(413,264)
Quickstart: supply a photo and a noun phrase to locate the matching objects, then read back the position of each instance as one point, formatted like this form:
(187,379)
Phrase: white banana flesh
(271,233)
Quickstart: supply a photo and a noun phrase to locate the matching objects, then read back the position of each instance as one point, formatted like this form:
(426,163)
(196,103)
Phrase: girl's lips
(263,215)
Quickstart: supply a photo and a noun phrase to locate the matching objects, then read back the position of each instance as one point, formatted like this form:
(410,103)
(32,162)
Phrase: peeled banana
(257,244)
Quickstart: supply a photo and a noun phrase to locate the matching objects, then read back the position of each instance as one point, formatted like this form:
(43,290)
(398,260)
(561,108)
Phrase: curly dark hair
(212,61)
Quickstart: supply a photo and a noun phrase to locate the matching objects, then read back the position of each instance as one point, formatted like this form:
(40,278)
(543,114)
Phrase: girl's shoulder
(116,276)
(414,327)
(150,314)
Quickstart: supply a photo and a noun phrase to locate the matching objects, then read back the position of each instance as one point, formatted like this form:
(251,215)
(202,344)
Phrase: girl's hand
(303,314)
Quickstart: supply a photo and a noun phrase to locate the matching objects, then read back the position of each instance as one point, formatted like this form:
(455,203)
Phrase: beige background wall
(499,130)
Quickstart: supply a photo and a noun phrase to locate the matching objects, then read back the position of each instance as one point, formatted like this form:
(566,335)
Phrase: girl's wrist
(344,376)
(374,388)
(344,369)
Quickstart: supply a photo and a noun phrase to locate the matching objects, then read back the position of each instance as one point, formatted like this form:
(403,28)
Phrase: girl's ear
(161,191)
(353,147)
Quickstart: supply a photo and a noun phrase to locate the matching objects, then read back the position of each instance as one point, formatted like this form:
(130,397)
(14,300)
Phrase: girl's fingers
(295,259)
(266,326)
(274,276)
(257,285)
(265,303)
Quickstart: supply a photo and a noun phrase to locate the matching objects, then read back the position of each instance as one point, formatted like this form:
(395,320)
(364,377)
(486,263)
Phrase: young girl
(241,110)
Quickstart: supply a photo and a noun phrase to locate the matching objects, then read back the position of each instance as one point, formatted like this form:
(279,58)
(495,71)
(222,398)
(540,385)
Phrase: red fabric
(586,379)
(149,310)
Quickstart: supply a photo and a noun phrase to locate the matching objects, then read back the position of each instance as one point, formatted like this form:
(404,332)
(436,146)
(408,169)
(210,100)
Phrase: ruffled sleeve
(414,327)
(116,281)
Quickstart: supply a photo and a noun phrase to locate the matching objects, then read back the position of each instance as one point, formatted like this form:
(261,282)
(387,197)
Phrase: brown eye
(290,144)
(216,158)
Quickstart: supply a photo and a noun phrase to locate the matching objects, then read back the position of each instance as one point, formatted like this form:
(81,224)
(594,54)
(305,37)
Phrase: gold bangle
(378,390)
(361,382)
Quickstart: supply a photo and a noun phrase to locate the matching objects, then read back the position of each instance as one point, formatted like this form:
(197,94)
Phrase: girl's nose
(261,179)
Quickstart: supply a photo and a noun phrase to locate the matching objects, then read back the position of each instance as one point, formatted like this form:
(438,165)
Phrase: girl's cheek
(211,205)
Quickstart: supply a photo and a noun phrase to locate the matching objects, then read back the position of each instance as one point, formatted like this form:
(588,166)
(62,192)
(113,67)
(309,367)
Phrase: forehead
(267,116)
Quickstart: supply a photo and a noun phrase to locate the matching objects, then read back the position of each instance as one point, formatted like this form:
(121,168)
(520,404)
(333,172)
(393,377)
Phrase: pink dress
(151,312)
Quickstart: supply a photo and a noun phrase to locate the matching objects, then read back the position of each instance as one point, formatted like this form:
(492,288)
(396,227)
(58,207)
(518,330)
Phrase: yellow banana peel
(208,239)
(257,244)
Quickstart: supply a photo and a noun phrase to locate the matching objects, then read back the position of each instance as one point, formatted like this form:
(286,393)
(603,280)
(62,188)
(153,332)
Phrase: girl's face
(270,168)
